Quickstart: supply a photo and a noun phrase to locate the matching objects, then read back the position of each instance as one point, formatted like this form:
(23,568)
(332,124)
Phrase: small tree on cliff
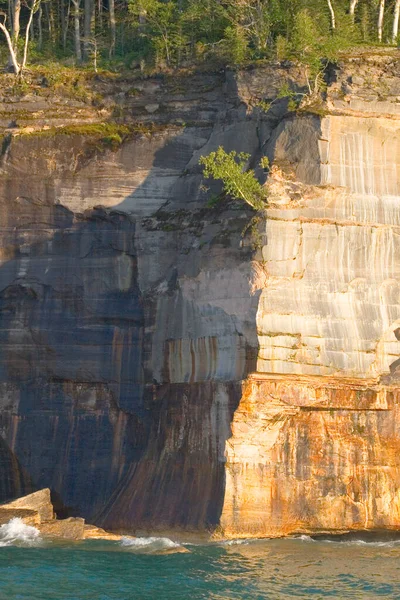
(238,182)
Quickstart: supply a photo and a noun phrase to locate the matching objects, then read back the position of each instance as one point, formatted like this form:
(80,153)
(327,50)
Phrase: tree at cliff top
(171,33)
(237,182)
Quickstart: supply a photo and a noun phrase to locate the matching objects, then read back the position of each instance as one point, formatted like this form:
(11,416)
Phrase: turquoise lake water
(278,569)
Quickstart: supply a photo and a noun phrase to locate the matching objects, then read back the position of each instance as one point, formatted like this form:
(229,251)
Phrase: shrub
(237,182)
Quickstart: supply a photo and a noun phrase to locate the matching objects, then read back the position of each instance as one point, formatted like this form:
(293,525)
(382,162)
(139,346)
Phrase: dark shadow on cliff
(103,407)
(71,324)
(394,367)
(85,413)
(294,147)
(193,384)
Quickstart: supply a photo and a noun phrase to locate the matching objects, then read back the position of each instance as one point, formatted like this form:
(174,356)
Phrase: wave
(151,545)
(17,533)
(235,542)
(377,544)
(342,541)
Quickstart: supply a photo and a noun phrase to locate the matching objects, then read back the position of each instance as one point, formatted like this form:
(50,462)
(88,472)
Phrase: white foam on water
(150,545)
(388,544)
(16,533)
(235,542)
(344,542)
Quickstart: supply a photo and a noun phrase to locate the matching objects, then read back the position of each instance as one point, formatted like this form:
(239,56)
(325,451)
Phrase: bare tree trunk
(40,30)
(100,12)
(78,50)
(396,15)
(333,18)
(50,21)
(380,18)
(64,17)
(88,27)
(13,56)
(10,10)
(32,31)
(34,8)
(111,6)
(16,24)
(353,6)
(95,55)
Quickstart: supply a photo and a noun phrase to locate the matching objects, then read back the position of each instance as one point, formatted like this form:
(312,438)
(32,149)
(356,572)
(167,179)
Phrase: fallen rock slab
(29,517)
(72,528)
(97,533)
(39,502)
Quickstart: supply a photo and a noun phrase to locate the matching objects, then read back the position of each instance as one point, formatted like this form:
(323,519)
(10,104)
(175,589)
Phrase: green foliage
(181,33)
(239,183)
(236,48)
(313,43)
(307,43)
(281,48)
(110,135)
(284,92)
(264,105)
(159,22)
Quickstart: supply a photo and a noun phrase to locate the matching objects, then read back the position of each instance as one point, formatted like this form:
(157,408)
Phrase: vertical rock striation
(315,441)
(162,364)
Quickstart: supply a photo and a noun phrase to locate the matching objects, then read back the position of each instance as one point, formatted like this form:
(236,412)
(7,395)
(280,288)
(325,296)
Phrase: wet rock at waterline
(35,512)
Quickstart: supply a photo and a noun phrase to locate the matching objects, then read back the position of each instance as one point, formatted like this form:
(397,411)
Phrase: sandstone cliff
(160,367)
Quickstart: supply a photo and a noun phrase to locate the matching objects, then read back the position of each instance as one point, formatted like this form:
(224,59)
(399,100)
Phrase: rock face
(315,442)
(167,364)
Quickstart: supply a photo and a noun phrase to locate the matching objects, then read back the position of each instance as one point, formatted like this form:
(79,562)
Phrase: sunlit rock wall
(331,303)
(315,444)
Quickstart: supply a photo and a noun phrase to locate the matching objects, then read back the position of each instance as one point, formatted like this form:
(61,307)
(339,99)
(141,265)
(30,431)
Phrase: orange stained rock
(309,457)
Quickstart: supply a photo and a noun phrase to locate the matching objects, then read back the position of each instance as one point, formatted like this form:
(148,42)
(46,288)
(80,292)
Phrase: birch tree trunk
(353,6)
(111,5)
(396,14)
(13,56)
(380,18)
(16,23)
(34,8)
(333,18)
(77,28)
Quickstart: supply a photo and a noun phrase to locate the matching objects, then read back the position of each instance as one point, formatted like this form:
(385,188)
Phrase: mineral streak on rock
(312,455)
(160,367)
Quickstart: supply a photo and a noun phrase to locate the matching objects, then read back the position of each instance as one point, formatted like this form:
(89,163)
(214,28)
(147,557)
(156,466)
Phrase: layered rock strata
(168,364)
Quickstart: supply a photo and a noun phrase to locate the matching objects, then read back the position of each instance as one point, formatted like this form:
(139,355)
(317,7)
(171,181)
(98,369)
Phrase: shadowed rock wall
(127,311)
